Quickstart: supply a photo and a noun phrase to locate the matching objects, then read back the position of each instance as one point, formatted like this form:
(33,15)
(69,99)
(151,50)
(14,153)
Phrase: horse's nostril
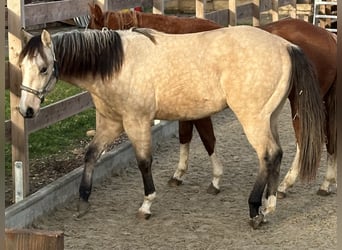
(29,112)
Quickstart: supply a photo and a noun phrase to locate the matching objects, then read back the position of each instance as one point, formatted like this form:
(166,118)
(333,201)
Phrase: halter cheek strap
(41,93)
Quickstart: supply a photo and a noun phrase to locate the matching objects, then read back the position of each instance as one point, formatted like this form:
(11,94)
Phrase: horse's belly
(189,109)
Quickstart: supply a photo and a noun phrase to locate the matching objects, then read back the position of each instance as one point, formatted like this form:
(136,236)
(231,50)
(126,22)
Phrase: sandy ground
(186,217)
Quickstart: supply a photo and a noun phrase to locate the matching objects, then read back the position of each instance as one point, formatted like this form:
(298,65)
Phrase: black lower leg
(146,172)
(87,177)
(273,169)
(255,197)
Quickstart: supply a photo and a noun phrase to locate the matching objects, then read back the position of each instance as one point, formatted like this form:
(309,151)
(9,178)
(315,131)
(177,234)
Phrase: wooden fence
(25,15)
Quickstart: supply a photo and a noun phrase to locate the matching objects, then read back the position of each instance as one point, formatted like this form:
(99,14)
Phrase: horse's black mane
(78,53)
(98,52)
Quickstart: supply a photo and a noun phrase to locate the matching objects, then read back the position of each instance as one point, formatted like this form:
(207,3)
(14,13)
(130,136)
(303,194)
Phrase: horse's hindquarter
(195,75)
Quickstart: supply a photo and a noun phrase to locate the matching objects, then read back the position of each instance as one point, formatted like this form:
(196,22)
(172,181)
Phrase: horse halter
(41,93)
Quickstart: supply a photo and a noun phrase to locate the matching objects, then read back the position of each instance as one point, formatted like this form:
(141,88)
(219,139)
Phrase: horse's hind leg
(264,139)
(290,176)
(185,136)
(206,132)
(293,172)
(106,133)
(331,174)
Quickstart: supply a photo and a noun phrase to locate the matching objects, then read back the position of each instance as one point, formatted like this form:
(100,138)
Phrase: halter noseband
(41,93)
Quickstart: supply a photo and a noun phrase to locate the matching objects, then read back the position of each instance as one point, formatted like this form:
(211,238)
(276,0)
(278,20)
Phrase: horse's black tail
(310,112)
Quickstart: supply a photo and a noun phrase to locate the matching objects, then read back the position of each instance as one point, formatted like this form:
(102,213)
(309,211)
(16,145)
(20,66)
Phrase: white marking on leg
(270,205)
(145,207)
(183,161)
(217,170)
(291,175)
(330,176)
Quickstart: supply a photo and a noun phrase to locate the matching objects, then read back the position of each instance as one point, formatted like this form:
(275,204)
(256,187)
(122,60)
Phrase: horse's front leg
(139,132)
(106,132)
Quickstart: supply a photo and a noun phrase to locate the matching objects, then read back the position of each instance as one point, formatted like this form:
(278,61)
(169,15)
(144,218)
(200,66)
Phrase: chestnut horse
(230,67)
(318,44)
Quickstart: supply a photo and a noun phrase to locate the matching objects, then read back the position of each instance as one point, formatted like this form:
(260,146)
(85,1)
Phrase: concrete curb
(23,213)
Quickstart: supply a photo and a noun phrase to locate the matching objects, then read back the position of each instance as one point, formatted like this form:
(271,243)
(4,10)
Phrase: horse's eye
(43,70)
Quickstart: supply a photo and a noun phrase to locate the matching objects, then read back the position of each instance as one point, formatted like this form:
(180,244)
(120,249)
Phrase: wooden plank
(122,4)
(40,13)
(59,111)
(220,16)
(18,131)
(29,239)
(244,11)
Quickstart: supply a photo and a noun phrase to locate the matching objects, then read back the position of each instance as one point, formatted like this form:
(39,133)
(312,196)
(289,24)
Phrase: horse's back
(210,70)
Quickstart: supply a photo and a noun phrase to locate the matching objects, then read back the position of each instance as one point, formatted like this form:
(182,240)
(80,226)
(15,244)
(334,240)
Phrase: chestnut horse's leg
(185,135)
(331,174)
(106,132)
(330,131)
(205,129)
(138,130)
(206,132)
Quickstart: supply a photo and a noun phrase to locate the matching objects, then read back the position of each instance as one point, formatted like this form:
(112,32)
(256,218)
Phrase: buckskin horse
(139,75)
(317,43)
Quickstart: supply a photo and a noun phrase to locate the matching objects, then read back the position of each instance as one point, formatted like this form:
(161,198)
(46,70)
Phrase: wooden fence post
(200,8)
(28,239)
(19,134)
(232,13)
(158,7)
(275,11)
(256,12)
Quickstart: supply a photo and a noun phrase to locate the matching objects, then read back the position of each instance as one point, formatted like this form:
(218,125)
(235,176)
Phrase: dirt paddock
(186,217)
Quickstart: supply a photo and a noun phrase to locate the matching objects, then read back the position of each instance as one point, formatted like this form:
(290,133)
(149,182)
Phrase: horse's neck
(124,20)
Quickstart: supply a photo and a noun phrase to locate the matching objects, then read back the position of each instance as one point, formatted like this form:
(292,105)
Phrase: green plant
(61,137)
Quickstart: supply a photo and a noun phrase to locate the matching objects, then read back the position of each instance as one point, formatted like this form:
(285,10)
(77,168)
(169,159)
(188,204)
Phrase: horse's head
(96,17)
(39,73)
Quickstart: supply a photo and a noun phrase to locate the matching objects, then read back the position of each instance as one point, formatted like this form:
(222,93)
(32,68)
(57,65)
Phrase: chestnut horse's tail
(309,111)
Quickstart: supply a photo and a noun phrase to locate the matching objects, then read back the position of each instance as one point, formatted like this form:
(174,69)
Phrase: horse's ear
(97,11)
(92,8)
(46,38)
(25,36)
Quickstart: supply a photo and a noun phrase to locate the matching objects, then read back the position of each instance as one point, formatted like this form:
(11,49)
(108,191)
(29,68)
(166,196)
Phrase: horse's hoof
(212,190)
(83,208)
(173,182)
(281,195)
(143,216)
(256,221)
(322,192)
